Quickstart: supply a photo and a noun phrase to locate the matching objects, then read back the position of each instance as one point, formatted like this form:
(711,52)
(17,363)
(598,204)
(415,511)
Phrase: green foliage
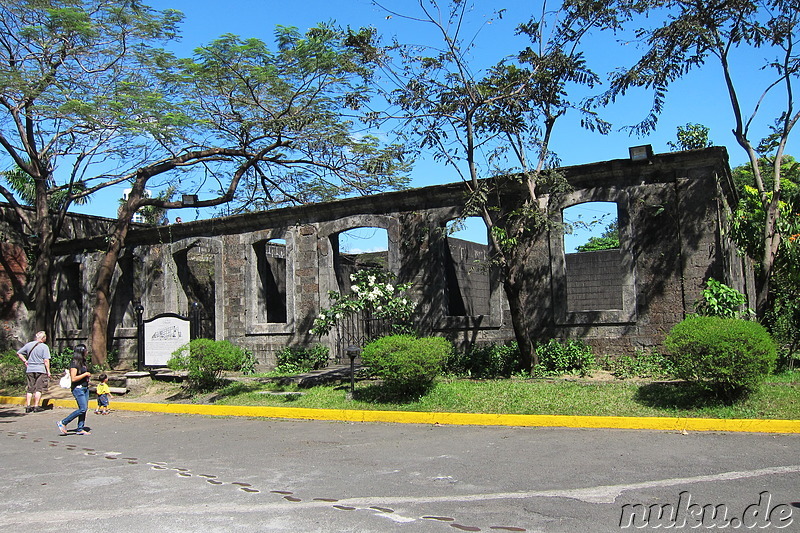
(485,361)
(727,356)
(691,137)
(717,299)
(783,322)
(407,365)
(299,359)
(12,371)
(564,357)
(743,176)
(59,361)
(373,291)
(747,228)
(207,359)
(643,364)
(608,240)
(248,363)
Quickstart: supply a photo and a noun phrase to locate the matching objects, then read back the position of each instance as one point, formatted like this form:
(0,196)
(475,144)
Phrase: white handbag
(66,381)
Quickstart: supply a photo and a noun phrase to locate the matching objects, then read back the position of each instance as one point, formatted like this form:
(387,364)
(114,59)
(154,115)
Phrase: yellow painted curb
(462,419)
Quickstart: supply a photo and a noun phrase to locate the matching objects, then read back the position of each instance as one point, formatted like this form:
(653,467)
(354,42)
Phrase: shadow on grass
(682,395)
(381,393)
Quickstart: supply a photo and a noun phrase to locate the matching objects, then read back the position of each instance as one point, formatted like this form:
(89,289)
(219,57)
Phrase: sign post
(160,336)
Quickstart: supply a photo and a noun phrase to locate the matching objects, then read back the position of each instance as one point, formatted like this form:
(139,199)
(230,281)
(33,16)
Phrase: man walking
(36,356)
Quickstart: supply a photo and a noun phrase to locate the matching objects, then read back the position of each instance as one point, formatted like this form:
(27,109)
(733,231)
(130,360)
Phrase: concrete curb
(462,419)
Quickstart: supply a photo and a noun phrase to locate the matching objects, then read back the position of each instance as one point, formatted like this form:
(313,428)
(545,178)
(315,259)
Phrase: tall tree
(63,65)
(277,117)
(495,125)
(694,32)
(91,102)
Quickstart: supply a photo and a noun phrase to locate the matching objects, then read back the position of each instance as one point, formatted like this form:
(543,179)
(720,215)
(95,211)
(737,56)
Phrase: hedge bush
(12,371)
(485,361)
(207,359)
(559,357)
(299,359)
(408,365)
(727,356)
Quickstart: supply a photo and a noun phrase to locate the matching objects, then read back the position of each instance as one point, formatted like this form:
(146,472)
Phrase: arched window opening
(467,273)
(196,268)
(271,267)
(70,294)
(359,249)
(593,261)
(591,226)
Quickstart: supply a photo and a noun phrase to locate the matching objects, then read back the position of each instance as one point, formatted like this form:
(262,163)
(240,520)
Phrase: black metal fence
(359,329)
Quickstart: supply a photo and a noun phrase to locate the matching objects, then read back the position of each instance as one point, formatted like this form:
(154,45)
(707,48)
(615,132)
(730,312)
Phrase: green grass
(778,398)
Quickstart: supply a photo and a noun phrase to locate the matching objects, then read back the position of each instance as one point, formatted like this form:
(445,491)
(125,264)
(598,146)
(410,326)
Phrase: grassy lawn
(778,398)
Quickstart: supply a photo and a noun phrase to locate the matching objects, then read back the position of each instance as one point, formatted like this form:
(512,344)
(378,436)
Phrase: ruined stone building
(260,279)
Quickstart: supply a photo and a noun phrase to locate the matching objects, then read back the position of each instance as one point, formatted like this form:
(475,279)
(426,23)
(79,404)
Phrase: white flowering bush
(372,291)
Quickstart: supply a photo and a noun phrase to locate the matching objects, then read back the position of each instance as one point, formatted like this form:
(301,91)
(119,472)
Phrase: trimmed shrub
(564,357)
(728,356)
(207,359)
(408,365)
(299,359)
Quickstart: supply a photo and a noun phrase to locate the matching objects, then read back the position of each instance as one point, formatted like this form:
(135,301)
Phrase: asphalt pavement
(144,471)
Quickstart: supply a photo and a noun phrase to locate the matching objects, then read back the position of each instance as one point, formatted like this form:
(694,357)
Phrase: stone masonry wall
(669,208)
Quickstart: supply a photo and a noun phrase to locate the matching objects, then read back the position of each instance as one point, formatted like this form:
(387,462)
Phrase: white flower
(356,288)
(389,288)
(352,277)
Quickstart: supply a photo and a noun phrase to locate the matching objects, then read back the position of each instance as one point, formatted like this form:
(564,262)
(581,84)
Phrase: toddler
(103,395)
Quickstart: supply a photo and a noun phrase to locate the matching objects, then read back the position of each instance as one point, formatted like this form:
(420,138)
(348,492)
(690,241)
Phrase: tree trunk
(42,279)
(522,327)
(105,274)
(772,241)
(43,264)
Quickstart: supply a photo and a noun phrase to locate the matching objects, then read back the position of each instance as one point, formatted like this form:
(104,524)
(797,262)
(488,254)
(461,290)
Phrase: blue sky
(699,98)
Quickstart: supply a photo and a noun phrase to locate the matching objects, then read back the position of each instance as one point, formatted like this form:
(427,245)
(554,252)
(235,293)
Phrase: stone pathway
(329,374)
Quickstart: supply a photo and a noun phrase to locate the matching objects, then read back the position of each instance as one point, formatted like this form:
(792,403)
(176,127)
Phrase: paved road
(142,472)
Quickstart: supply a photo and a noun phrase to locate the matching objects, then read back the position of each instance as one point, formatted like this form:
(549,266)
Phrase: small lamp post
(139,336)
(352,352)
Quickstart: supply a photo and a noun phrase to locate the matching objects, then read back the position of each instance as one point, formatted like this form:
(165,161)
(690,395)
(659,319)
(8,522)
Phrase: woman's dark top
(81,369)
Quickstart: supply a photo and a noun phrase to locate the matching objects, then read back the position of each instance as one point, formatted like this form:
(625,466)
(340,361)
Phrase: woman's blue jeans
(82,397)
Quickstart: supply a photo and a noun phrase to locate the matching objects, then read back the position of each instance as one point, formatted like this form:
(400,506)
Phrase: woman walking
(79,372)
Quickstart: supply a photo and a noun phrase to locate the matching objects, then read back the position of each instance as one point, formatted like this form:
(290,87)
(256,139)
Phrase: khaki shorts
(37,382)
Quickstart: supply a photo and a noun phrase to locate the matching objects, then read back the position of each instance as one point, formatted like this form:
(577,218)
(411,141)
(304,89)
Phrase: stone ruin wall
(672,213)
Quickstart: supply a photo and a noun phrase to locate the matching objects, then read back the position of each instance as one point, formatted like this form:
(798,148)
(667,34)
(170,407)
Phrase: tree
(691,137)
(747,229)
(63,64)
(694,32)
(497,124)
(91,101)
